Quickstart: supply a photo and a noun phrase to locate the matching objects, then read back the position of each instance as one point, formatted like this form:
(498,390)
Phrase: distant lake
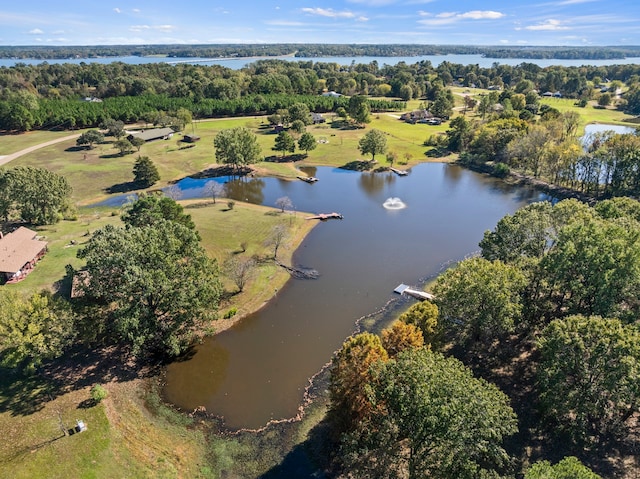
(238,63)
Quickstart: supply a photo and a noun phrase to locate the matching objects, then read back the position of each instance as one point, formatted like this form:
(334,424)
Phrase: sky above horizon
(439,22)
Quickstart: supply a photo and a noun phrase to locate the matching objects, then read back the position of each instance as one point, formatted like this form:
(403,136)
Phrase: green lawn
(11,143)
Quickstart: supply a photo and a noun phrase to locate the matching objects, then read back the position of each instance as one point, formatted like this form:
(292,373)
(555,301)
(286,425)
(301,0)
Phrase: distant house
(152,134)
(92,99)
(548,94)
(416,116)
(19,252)
(190,138)
(317,118)
(278,128)
(331,93)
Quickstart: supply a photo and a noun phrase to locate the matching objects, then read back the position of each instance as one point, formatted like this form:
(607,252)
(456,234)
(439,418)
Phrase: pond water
(257,371)
(595,128)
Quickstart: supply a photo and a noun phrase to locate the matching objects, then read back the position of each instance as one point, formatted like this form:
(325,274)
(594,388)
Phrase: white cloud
(362,19)
(35,31)
(445,18)
(548,25)
(117,10)
(328,12)
(136,10)
(144,28)
(482,15)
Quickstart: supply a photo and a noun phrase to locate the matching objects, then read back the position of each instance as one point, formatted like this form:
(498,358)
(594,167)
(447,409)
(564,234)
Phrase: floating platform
(325,216)
(399,172)
(308,179)
(421,295)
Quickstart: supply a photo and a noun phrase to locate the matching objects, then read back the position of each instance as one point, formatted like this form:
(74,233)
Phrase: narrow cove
(257,371)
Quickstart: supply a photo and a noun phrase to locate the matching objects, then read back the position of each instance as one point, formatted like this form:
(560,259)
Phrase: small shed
(317,118)
(190,138)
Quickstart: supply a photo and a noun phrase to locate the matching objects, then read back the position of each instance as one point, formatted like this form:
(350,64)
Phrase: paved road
(7,158)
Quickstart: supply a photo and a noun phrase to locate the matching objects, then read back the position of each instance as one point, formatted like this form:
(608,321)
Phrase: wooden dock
(399,172)
(308,179)
(421,295)
(325,217)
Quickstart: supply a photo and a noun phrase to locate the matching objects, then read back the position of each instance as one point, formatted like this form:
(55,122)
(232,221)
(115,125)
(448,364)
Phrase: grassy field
(16,142)
(91,172)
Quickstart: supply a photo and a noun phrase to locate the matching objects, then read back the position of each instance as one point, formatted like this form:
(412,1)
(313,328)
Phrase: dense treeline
(314,50)
(48,96)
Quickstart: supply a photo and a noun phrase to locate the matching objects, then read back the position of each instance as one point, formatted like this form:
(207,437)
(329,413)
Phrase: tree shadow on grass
(285,159)
(23,394)
(123,187)
(77,148)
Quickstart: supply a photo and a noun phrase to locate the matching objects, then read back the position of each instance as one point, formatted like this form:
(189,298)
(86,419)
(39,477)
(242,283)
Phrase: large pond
(257,371)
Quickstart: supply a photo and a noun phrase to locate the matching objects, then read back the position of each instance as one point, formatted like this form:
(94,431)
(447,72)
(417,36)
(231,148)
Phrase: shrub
(231,313)
(231,204)
(500,170)
(98,393)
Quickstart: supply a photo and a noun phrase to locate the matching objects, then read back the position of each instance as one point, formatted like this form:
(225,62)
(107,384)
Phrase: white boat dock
(421,295)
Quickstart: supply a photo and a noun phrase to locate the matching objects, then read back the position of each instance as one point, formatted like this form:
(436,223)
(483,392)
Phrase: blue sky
(487,22)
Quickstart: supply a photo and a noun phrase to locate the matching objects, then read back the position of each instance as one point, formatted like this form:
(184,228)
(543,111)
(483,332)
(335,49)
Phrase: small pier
(308,179)
(399,172)
(325,217)
(421,295)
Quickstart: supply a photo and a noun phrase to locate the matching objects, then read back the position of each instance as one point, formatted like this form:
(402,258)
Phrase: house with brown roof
(19,252)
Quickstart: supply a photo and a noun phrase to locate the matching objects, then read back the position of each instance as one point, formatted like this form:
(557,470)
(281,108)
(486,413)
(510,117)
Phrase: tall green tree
(90,138)
(124,146)
(145,172)
(430,417)
(307,142)
(568,468)
(153,286)
(284,143)
(480,300)
(150,209)
(300,111)
(33,329)
(593,269)
(39,195)
(423,315)
(374,142)
(589,375)
(237,147)
(359,109)
(351,376)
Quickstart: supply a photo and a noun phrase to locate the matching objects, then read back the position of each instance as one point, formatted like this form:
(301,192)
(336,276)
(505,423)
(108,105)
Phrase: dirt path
(7,158)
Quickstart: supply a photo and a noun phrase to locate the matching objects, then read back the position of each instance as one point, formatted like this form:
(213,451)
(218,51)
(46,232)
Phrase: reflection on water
(270,355)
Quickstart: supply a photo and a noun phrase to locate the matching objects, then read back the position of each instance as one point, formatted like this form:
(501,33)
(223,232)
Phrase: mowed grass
(225,231)
(92,172)
(122,440)
(11,143)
